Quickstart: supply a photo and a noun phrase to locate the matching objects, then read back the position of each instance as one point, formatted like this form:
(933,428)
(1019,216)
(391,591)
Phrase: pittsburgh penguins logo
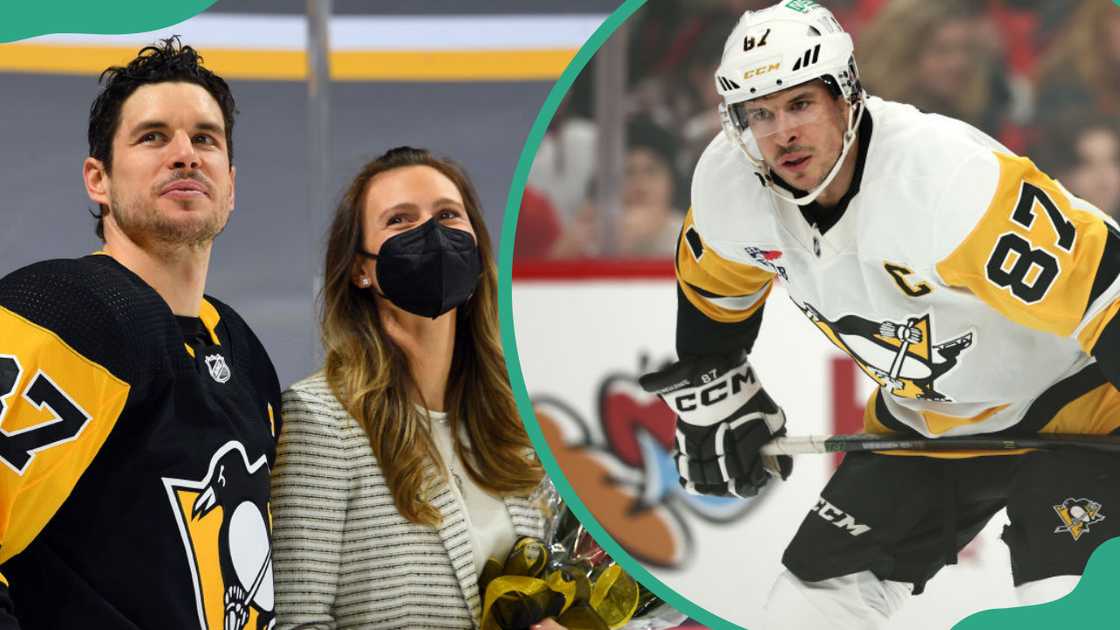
(1077,515)
(225,525)
(899,355)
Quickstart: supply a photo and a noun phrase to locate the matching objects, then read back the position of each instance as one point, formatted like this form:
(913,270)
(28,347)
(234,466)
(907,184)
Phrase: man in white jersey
(977,292)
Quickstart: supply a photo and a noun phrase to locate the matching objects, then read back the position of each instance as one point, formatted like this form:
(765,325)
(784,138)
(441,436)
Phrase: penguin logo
(899,355)
(225,525)
(1077,515)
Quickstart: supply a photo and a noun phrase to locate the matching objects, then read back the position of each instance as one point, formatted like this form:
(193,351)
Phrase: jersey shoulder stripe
(723,290)
(1034,254)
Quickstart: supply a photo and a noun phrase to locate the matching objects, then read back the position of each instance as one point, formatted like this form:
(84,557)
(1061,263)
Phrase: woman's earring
(364,282)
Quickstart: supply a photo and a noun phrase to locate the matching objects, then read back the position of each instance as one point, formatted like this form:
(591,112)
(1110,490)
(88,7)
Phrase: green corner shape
(20,20)
(1092,596)
(1093,599)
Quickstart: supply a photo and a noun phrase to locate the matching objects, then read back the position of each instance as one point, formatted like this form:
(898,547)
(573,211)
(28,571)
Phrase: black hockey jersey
(134,469)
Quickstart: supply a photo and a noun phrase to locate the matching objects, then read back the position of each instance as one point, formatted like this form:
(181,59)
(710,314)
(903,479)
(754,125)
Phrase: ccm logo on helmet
(754,72)
(714,393)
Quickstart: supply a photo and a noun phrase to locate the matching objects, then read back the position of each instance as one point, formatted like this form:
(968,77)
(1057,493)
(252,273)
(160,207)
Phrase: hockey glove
(724,417)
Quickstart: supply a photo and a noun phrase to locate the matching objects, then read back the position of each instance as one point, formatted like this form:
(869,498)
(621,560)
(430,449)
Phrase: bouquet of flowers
(568,577)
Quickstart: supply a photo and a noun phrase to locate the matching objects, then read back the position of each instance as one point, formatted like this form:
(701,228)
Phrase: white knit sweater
(343,556)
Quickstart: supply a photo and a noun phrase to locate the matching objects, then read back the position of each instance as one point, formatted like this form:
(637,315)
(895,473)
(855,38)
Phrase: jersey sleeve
(719,301)
(1044,259)
(64,381)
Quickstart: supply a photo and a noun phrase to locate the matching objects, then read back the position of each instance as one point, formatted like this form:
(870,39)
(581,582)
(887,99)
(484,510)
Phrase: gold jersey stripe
(939,423)
(291,65)
(1062,307)
(210,318)
(718,276)
(957,454)
(1096,412)
(871,424)
(29,499)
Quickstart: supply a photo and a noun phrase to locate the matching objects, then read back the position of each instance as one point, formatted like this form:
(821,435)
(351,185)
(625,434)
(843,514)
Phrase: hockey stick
(867,442)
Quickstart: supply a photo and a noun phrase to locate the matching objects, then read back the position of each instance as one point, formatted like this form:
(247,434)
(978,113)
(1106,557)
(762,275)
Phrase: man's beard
(145,224)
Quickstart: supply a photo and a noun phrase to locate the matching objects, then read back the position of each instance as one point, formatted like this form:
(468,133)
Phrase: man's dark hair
(168,61)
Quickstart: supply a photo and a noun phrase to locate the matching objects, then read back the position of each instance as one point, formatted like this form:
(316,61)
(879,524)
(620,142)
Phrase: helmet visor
(779,116)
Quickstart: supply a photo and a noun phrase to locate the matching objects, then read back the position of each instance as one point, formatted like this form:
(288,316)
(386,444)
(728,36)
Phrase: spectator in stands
(1084,154)
(694,99)
(933,55)
(538,226)
(1081,69)
(1095,175)
(649,218)
(652,208)
(565,161)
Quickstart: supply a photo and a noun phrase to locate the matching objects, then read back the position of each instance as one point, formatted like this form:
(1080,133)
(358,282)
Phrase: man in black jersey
(137,415)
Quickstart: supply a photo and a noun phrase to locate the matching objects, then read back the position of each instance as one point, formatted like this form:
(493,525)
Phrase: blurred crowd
(1041,76)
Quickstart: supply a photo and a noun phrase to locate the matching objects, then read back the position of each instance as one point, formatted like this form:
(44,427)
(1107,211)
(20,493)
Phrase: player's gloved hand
(724,417)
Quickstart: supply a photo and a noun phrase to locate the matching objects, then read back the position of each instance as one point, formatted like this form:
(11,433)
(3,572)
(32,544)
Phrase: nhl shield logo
(1077,515)
(219,370)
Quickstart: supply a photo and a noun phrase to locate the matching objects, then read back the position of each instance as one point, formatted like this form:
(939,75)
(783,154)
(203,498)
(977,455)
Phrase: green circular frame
(1091,600)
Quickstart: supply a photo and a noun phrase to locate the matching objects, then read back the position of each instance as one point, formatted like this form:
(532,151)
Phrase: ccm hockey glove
(724,417)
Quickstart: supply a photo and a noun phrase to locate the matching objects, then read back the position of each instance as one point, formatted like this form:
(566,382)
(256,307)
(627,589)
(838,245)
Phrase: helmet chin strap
(854,118)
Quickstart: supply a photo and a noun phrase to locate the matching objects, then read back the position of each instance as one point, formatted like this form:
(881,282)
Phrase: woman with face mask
(402,465)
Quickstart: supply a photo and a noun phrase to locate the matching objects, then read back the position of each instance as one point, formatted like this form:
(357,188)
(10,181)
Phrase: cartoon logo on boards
(219,370)
(225,526)
(1077,515)
(900,356)
(623,470)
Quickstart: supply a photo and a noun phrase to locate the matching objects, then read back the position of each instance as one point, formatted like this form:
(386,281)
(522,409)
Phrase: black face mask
(428,270)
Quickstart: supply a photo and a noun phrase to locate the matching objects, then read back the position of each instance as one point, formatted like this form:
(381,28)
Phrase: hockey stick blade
(809,444)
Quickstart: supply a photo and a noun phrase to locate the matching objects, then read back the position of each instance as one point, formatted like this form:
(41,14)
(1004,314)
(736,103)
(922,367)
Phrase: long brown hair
(1080,55)
(370,374)
(894,41)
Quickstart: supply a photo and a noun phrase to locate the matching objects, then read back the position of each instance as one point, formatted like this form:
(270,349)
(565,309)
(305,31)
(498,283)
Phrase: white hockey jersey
(969,285)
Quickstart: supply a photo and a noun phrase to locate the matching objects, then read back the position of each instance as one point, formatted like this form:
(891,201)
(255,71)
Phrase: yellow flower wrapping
(520,596)
(614,596)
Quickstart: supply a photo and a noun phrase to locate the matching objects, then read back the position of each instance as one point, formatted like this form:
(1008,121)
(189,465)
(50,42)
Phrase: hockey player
(137,424)
(977,292)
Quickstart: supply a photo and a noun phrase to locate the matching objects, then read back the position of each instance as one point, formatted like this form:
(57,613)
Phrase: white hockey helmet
(788,44)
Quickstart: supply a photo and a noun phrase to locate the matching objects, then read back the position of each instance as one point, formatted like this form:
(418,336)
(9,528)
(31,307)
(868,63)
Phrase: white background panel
(572,334)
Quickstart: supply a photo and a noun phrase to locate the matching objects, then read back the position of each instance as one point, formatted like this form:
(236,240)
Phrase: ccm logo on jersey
(839,518)
(711,393)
